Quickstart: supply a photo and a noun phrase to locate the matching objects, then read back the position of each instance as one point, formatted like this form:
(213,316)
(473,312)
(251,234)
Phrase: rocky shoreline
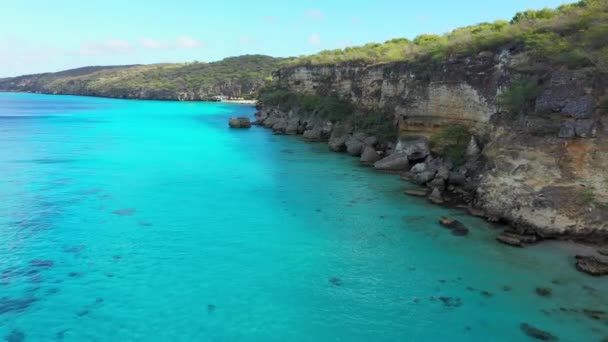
(413,160)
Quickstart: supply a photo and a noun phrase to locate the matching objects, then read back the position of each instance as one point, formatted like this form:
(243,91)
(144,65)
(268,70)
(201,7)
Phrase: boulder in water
(369,156)
(354,146)
(436,196)
(240,122)
(591,265)
(509,240)
(395,162)
(455,226)
(337,143)
(421,192)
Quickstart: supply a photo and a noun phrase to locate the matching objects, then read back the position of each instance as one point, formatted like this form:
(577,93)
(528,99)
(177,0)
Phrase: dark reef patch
(544,291)
(15,336)
(537,333)
(144,223)
(50,161)
(74,249)
(451,302)
(336,281)
(124,212)
(211,308)
(52,290)
(42,263)
(15,305)
(595,314)
(60,335)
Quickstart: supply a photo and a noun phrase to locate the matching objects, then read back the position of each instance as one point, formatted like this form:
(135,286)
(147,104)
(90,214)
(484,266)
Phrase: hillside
(234,77)
(575,35)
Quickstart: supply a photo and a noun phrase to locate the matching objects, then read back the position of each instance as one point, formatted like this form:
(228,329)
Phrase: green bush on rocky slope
(237,76)
(575,35)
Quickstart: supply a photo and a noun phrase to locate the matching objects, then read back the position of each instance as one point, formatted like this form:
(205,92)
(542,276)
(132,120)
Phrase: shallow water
(152,221)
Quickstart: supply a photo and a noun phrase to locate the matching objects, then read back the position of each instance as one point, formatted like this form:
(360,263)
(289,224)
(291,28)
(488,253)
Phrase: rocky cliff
(518,143)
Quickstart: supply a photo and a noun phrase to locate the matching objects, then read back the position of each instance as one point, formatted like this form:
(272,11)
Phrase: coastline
(508,234)
(240,102)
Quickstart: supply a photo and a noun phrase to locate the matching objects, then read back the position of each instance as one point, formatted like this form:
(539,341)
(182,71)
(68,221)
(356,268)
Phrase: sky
(44,36)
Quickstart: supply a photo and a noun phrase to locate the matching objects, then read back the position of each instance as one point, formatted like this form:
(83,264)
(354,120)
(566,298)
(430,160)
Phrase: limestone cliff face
(544,169)
(463,91)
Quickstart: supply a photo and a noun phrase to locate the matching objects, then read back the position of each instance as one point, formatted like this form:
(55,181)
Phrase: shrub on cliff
(451,142)
(515,98)
(376,124)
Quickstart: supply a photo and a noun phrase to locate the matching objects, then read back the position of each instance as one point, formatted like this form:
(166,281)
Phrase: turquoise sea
(152,221)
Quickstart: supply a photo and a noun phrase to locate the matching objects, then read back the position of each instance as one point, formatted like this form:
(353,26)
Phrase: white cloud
(110,46)
(314,13)
(152,44)
(186,42)
(315,39)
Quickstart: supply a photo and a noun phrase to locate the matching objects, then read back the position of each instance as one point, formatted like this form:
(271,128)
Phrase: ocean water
(152,221)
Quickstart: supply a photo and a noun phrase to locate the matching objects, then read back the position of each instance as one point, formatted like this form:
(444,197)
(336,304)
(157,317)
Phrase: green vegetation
(329,108)
(588,196)
(376,124)
(234,77)
(451,142)
(515,98)
(573,35)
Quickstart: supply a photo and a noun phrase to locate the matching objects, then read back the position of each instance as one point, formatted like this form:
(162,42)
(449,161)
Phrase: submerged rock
(240,122)
(336,281)
(544,291)
(416,192)
(42,263)
(15,305)
(455,226)
(537,333)
(15,336)
(124,212)
(451,302)
(509,240)
(591,265)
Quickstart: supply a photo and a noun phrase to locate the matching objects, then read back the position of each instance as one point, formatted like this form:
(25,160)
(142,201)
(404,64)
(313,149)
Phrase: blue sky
(43,35)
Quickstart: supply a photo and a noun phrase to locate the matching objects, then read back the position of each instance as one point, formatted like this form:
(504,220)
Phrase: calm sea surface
(152,221)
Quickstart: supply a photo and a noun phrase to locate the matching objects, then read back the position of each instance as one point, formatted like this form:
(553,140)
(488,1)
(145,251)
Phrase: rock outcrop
(235,122)
(540,169)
